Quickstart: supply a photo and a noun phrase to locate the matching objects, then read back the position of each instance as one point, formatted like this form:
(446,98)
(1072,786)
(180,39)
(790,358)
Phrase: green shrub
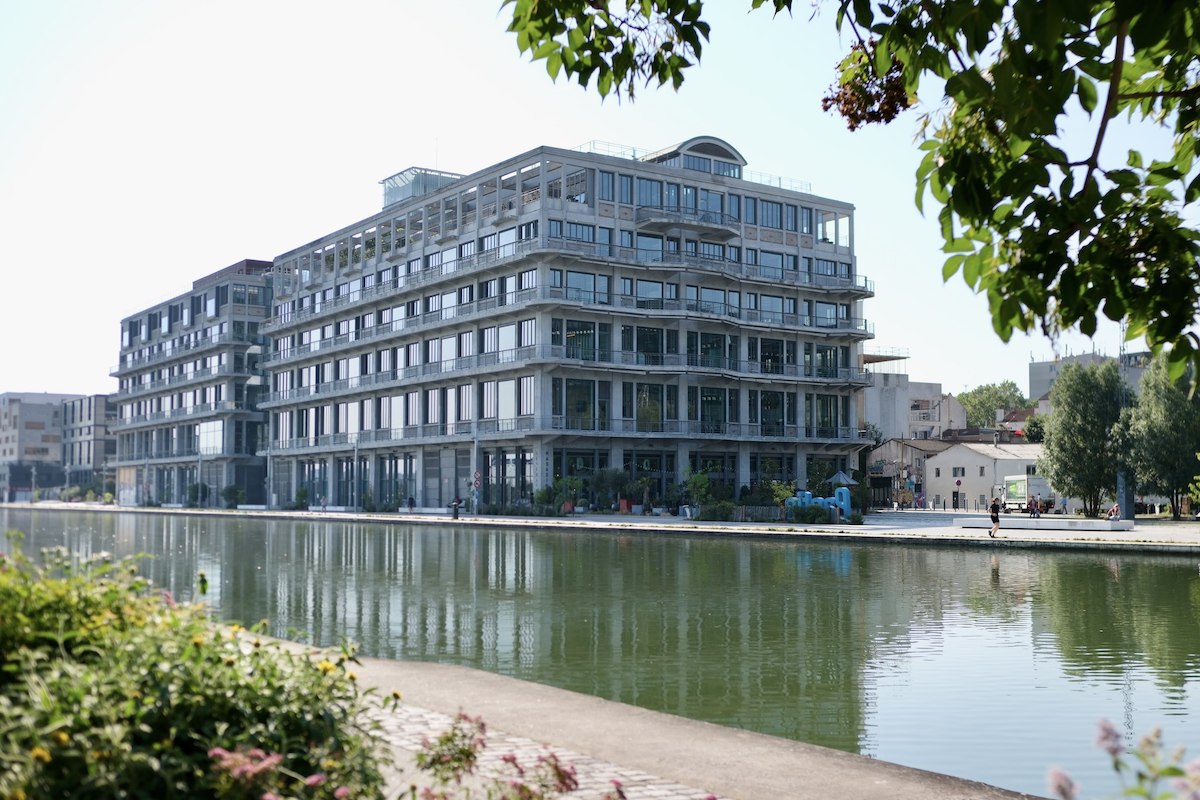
(812,514)
(855,518)
(720,511)
(152,700)
(66,605)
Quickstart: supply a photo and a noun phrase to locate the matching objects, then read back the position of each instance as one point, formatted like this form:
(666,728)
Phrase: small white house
(965,475)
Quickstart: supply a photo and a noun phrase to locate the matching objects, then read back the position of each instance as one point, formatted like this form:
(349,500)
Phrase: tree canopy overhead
(1055,238)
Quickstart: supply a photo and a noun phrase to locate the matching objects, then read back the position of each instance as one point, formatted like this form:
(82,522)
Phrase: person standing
(995,509)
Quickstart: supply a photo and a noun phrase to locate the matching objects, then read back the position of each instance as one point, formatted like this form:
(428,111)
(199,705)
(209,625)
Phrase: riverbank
(938,528)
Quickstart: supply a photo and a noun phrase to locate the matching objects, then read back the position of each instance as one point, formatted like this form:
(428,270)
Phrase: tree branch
(1191,91)
(1110,105)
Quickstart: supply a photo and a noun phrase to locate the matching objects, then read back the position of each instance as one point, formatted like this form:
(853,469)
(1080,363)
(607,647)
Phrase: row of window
(649,404)
(654,193)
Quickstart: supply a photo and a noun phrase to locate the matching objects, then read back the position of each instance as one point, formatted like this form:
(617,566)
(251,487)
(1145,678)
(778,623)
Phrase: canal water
(985,664)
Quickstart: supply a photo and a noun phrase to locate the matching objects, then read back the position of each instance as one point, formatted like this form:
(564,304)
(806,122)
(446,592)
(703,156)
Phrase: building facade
(89,442)
(900,408)
(968,474)
(564,312)
(189,378)
(31,444)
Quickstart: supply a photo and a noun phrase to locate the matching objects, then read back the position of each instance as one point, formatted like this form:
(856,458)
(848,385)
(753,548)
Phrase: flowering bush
(1145,771)
(147,699)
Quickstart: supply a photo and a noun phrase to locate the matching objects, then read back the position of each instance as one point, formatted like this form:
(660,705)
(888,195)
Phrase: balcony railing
(529,425)
(856,284)
(556,294)
(175,381)
(198,410)
(639,362)
(131,362)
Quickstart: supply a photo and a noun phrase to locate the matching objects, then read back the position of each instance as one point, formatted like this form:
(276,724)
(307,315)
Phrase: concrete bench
(1047,523)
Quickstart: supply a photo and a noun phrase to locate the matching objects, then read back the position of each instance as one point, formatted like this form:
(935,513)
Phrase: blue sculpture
(840,500)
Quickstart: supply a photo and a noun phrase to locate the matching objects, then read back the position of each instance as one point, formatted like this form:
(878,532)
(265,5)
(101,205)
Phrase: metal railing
(857,284)
(555,425)
(639,362)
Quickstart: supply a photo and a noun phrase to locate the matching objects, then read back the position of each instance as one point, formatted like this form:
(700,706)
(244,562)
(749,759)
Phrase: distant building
(896,471)
(1043,374)
(966,475)
(188,425)
(31,443)
(903,409)
(89,443)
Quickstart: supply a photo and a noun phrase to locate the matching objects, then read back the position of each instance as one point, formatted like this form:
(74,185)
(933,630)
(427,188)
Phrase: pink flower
(341,792)
(1109,739)
(1061,785)
(315,780)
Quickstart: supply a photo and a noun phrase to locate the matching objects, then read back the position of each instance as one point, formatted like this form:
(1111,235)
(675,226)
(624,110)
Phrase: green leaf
(1135,159)
(1087,94)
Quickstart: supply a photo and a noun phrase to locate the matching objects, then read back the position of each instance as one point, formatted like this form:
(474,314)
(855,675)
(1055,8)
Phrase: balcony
(129,363)
(839,438)
(712,224)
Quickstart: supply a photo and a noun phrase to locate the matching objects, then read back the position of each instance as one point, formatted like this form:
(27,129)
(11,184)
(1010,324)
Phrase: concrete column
(743,467)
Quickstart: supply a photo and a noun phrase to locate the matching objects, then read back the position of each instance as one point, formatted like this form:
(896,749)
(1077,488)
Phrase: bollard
(454,509)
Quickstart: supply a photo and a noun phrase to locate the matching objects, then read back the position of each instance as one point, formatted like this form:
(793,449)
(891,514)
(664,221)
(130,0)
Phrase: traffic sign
(477,483)
(477,477)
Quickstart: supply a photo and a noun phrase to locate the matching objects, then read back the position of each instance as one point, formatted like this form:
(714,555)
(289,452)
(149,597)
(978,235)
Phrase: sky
(146,144)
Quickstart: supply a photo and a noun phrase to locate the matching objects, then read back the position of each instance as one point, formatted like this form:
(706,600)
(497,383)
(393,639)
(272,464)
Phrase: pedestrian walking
(995,509)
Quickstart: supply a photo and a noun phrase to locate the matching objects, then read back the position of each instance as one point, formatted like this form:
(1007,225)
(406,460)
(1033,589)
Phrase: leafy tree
(1053,237)
(982,402)
(1165,435)
(1035,429)
(1080,454)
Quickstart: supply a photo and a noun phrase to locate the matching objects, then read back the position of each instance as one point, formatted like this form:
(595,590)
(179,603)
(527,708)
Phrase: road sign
(958,483)
(477,477)
(477,483)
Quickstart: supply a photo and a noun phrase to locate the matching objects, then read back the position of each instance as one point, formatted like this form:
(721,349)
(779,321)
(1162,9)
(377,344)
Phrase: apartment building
(88,445)
(31,443)
(189,378)
(564,312)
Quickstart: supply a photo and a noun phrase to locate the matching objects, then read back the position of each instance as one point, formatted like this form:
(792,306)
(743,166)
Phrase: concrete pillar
(743,467)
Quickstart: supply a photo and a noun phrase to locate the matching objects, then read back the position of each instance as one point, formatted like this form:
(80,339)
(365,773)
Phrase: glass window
(606,189)
(770,214)
(649,192)
(583,233)
(789,217)
(625,185)
(751,211)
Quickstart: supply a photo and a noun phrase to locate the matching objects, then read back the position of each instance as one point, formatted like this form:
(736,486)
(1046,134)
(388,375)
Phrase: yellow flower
(326,666)
(229,662)
(40,753)
(396,695)
(234,628)
(351,676)
(60,738)
(197,640)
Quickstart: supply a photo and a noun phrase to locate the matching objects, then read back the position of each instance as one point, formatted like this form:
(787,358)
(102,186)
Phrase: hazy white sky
(145,144)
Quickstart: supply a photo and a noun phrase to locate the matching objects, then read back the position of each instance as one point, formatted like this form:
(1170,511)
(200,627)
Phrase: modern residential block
(564,312)
(189,378)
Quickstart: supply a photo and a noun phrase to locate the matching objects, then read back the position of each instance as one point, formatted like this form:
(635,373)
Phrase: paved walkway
(662,757)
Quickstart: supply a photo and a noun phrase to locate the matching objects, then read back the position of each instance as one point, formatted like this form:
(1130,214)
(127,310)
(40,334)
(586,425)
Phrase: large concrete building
(563,312)
(189,377)
(31,443)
